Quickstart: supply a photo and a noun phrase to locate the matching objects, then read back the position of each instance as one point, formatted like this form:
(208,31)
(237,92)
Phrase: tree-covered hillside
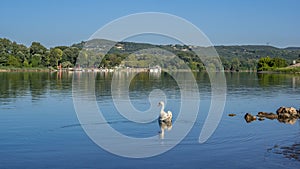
(105,53)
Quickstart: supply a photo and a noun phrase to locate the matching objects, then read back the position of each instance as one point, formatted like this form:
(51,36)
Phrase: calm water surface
(39,127)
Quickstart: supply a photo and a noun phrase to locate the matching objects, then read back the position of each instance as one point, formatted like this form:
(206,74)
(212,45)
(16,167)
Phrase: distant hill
(292,48)
(244,57)
(244,51)
(256,51)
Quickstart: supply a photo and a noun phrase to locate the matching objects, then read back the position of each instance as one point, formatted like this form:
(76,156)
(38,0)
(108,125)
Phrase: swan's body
(164,116)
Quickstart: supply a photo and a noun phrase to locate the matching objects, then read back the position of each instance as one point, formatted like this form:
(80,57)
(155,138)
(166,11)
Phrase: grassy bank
(288,70)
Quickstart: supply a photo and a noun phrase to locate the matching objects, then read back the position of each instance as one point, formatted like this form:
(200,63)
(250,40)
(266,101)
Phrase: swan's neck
(162,109)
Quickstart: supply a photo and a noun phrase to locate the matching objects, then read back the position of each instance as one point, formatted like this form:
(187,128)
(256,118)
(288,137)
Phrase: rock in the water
(287,115)
(287,111)
(267,115)
(231,114)
(249,118)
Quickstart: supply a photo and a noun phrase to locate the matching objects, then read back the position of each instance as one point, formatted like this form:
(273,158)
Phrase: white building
(156,69)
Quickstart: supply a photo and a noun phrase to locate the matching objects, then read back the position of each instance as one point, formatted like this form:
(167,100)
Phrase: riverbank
(294,69)
(289,69)
(13,69)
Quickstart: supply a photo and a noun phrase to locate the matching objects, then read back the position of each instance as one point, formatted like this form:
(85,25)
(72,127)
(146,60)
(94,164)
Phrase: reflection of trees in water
(263,80)
(268,80)
(36,84)
(143,83)
(241,79)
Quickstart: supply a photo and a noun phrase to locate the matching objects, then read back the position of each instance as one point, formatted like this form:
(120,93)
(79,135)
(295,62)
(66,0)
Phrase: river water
(39,127)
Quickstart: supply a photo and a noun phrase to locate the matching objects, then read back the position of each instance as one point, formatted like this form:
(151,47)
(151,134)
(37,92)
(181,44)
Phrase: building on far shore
(155,69)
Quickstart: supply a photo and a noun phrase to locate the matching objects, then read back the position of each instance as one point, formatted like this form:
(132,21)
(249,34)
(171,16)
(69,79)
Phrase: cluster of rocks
(283,114)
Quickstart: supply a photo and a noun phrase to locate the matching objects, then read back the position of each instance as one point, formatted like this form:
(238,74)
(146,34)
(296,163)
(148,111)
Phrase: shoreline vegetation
(14,69)
(286,70)
(108,56)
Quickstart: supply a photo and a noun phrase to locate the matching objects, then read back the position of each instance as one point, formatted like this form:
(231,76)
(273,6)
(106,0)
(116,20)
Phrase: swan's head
(161,103)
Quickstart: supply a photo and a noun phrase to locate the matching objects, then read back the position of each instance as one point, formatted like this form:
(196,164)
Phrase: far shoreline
(40,69)
(10,69)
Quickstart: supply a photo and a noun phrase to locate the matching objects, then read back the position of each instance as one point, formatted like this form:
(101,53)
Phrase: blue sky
(225,22)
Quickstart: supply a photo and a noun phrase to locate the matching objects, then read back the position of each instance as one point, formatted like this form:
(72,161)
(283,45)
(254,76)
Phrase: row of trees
(236,64)
(18,55)
(36,55)
(267,63)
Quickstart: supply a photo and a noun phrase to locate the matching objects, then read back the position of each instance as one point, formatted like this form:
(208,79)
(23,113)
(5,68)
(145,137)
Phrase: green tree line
(36,55)
(233,58)
(267,63)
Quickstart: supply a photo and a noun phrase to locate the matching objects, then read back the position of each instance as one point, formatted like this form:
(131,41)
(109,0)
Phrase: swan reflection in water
(164,125)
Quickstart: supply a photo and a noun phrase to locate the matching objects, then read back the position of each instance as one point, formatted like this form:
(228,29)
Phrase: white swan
(167,117)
